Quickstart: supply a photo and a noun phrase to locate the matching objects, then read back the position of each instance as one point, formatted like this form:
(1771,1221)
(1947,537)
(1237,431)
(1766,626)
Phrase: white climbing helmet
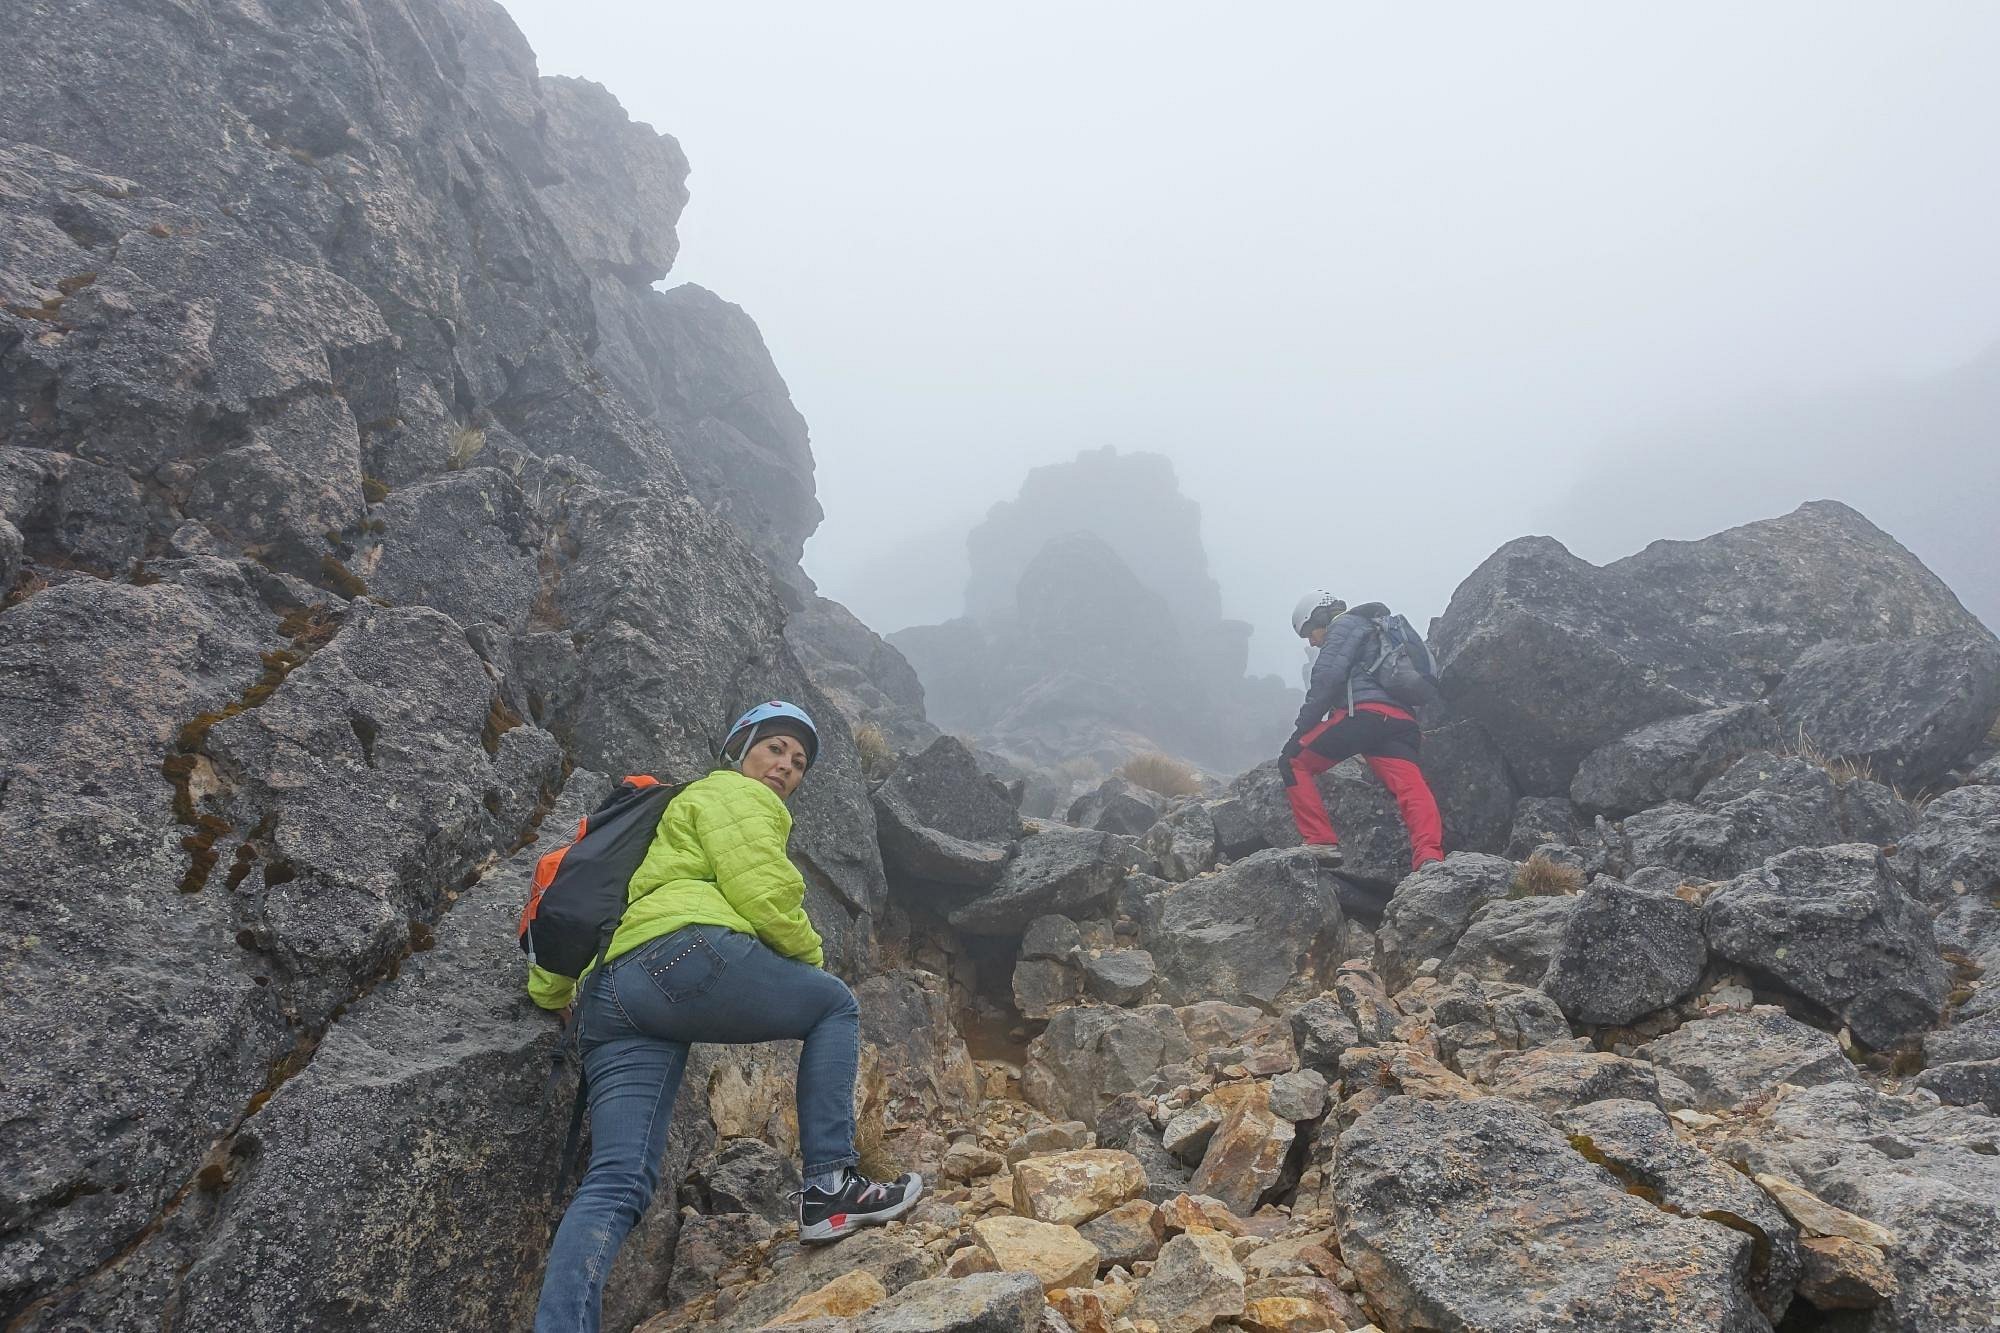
(1310,605)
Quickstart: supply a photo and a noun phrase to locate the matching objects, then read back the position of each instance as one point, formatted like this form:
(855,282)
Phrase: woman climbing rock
(714,945)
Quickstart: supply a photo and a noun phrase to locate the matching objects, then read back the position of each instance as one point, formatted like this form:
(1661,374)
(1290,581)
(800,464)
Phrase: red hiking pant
(1387,737)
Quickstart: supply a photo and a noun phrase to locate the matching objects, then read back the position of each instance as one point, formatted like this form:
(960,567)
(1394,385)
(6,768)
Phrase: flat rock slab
(1479,1215)
(1734,1058)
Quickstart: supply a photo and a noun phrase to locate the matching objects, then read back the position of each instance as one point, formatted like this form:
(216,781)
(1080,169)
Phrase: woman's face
(779,762)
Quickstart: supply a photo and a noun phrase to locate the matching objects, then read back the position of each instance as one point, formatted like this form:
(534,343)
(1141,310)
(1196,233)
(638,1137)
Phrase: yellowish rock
(1117,1297)
(1816,1217)
(1070,1188)
(1055,1254)
(1082,1308)
(1843,1274)
(970,1260)
(1198,1212)
(843,1298)
(1287,1314)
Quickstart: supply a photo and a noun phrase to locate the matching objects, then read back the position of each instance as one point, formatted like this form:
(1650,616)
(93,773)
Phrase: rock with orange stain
(1479,1215)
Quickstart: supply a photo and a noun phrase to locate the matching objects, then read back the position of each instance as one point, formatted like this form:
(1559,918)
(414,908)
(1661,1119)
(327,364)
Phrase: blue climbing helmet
(777,717)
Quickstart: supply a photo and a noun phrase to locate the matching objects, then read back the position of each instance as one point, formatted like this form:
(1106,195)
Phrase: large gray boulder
(1625,952)
(1431,909)
(943,821)
(1182,844)
(1058,869)
(1831,924)
(1511,940)
(1477,1214)
(1929,1174)
(1090,1054)
(1669,760)
(1909,709)
(1475,791)
(1766,591)
(1735,1058)
(1635,1143)
(1265,932)
(1627,657)
(467,543)
(1558,658)
(1543,820)
(1955,850)
(1762,805)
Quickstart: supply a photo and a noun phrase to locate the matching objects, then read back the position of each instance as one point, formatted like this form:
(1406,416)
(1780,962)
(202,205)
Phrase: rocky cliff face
(363,513)
(358,504)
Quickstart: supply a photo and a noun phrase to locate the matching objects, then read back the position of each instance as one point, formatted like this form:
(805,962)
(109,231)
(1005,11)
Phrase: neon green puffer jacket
(718,859)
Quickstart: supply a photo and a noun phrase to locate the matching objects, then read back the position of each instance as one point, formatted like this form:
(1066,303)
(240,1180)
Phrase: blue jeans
(635,1023)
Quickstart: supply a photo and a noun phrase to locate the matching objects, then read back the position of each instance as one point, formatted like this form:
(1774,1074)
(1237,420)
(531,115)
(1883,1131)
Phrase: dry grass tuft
(466,442)
(1840,768)
(1539,877)
(1162,774)
(878,757)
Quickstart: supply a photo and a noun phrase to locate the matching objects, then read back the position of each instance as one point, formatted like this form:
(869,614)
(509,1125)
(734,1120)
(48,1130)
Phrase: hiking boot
(859,1202)
(1326,853)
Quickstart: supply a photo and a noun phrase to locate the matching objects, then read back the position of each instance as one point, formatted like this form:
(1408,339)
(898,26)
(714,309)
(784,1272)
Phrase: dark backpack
(1404,668)
(578,896)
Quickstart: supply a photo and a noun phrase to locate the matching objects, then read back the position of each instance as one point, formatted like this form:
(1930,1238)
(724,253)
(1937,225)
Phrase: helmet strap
(743,750)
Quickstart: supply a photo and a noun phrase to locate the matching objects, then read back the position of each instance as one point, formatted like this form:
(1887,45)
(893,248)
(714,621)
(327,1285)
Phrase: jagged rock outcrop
(333,538)
(1558,658)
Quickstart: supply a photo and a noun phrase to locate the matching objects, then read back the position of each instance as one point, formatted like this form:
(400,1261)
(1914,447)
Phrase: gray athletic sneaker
(859,1202)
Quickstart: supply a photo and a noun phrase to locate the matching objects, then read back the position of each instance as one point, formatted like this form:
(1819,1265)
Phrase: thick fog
(1390,285)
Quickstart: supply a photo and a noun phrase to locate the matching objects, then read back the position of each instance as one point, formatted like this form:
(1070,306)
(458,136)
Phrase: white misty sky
(1379,279)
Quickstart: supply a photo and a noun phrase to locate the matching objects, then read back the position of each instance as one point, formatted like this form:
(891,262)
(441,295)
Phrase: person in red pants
(1347,713)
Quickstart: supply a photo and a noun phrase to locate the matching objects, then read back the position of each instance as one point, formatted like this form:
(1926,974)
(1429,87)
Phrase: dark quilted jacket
(1352,645)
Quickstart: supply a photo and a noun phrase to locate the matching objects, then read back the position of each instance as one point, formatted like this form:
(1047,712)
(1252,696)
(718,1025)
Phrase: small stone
(966,1160)
(1071,1188)
(1816,1217)
(1046,1139)
(843,1298)
(1195,1281)
(1120,976)
(1057,1255)
(1129,1234)
(1285,1314)
(1844,1274)
(1198,1212)
(1299,1095)
(1082,1309)
(1186,1135)
(965,1262)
